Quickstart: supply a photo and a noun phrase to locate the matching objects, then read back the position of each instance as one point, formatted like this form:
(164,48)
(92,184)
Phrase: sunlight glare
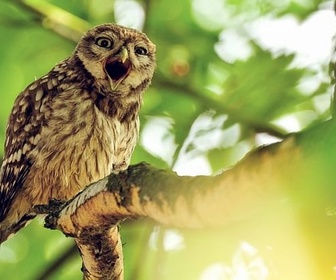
(246,264)
(129,13)
(233,46)
(206,133)
(157,139)
(296,121)
(172,239)
(310,41)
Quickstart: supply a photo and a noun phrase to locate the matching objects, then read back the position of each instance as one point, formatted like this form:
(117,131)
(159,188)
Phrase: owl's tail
(6,230)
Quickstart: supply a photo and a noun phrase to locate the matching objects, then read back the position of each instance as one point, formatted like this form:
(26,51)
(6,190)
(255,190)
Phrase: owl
(76,124)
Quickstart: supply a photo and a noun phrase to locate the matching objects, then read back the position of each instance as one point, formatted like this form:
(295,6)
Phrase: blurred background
(232,75)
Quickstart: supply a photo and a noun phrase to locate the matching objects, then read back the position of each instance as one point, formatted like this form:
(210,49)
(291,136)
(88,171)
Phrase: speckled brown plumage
(76,124)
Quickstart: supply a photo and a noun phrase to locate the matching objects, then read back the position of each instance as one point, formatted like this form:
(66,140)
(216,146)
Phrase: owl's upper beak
(123,55)
(117,67)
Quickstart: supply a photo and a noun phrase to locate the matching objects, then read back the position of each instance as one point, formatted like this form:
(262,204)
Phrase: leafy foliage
(207,107)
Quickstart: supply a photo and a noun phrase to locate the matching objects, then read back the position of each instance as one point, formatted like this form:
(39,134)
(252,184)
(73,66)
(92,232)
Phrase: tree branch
(52,17)
(145,191)
(265,180)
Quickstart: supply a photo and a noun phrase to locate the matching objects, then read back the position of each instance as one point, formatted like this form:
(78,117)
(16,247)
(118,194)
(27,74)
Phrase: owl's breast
(79,145)
(126,135)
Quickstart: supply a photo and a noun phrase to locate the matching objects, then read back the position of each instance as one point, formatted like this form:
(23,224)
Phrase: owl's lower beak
(118,67)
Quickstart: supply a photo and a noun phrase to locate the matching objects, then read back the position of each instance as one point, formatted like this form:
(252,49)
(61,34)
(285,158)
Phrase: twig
(271,129)
(57,263)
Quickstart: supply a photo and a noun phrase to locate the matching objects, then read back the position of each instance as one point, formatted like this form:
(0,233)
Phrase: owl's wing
(22,134)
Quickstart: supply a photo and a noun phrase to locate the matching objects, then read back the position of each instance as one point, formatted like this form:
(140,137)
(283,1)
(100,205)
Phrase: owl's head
(119,58)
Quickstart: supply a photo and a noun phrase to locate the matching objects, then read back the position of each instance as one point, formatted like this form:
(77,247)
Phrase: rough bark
(101,254)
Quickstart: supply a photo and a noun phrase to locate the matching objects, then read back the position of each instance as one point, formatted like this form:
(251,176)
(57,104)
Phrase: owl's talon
(54,206)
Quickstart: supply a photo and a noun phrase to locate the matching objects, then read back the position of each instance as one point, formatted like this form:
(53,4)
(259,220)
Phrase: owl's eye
(104,42)
(140,50)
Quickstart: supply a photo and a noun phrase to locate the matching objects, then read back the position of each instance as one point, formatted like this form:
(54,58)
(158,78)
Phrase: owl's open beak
(118,67)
